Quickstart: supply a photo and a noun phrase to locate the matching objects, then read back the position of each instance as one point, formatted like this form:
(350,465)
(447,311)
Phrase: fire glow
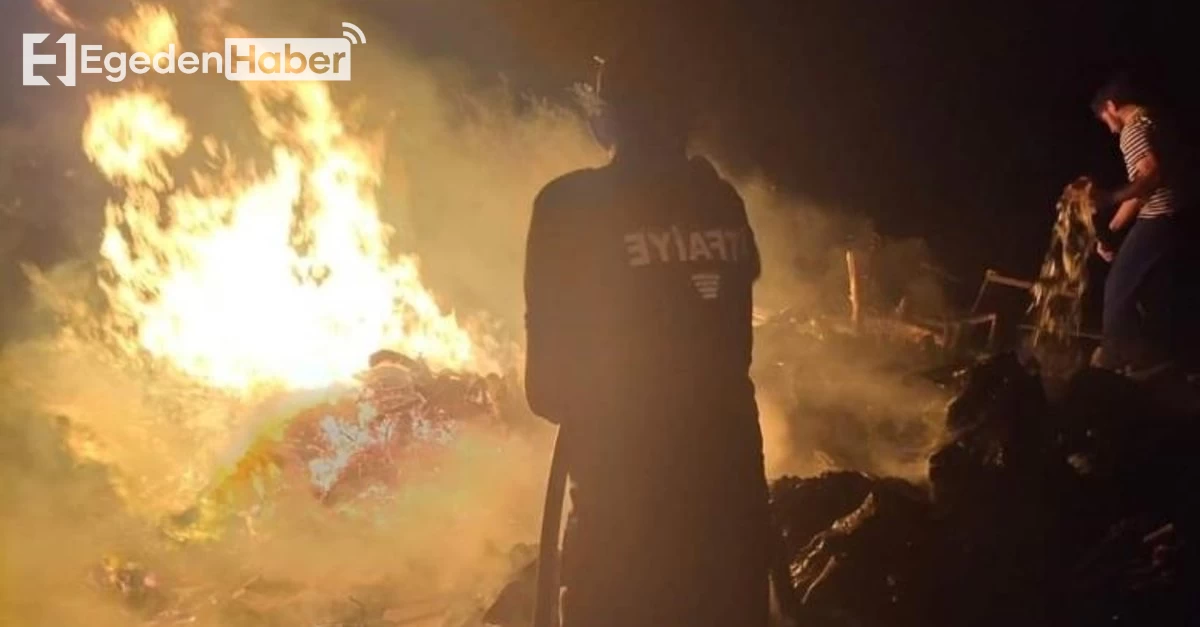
(242,275)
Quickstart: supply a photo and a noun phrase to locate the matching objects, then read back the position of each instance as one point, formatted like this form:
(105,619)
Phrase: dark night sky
(956,120)
(959,121)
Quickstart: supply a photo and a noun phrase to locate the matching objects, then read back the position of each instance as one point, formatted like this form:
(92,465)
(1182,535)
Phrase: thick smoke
(98,452)
(832,397)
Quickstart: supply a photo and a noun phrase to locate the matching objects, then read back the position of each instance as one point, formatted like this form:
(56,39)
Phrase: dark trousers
(1138,295)
(666,540)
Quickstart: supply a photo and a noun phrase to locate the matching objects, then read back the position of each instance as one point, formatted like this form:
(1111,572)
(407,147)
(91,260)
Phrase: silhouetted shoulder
(568,191)
(705,176)
(702,169)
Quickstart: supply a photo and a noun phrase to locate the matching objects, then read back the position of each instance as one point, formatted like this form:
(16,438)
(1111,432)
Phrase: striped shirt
(1136,144)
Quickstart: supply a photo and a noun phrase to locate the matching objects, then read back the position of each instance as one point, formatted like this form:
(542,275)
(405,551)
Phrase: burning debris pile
(354,450)
(378,506)
(1078,510)
(382,501)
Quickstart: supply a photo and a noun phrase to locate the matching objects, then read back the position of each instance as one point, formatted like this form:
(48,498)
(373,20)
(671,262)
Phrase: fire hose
(545,609)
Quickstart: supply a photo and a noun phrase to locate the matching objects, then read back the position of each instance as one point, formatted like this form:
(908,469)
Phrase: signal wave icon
(708,284)
(353,33)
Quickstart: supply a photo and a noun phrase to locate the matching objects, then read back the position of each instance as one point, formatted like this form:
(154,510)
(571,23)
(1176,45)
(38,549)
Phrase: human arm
(549,294)
(1125,214)
(1145,179)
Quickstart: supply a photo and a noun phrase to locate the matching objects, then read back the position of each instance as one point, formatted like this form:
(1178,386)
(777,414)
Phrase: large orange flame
(240,279)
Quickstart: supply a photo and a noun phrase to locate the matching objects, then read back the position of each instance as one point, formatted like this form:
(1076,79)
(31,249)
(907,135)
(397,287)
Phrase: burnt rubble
(357,447)
(1068,511)
(1073,509)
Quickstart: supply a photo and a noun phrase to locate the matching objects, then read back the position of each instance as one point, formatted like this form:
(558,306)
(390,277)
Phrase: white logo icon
(30,59)
(359,39)
(708,284)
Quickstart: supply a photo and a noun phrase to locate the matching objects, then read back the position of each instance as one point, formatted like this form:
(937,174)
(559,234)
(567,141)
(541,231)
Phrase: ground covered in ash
(1076,509)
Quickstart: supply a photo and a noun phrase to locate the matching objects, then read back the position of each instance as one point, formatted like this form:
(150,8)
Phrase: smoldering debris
(1041,511)
(1072,510)
(837,396)
(353,451)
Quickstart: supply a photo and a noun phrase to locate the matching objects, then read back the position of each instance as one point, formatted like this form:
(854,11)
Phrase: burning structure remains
(1074,510)
(1066,511)
(351,451)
